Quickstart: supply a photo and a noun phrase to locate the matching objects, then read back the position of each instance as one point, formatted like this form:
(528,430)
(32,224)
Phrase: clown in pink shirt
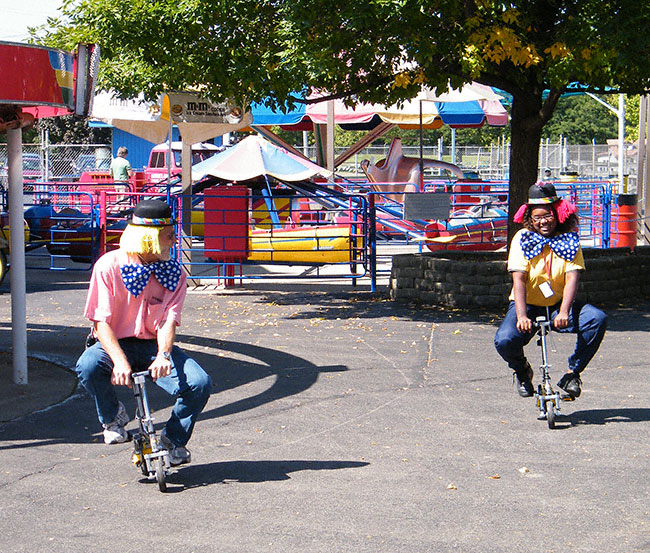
(134,301)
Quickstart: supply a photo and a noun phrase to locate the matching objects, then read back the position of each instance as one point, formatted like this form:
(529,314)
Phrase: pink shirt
(109,301)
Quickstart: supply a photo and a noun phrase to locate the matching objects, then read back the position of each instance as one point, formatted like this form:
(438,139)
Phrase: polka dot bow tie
(564,245)
(136,277)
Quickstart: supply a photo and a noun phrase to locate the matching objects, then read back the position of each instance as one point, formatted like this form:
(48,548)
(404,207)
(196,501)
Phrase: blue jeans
(188,382)
(585,320)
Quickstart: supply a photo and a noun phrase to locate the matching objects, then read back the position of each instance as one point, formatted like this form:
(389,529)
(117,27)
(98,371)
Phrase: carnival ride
(258,203)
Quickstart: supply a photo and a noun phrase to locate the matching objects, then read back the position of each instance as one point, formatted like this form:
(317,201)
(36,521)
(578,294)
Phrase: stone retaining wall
(480,279)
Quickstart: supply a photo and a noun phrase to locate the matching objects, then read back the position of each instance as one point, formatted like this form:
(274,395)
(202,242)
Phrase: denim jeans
(585,320)
(188,382)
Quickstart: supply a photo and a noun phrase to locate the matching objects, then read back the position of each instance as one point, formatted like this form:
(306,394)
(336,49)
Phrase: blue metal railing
(350,226)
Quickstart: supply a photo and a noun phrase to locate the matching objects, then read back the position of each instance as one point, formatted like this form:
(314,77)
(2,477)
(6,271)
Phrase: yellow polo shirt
(536,269)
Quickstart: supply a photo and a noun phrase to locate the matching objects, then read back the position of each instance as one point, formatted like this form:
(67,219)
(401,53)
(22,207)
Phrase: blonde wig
(139,239)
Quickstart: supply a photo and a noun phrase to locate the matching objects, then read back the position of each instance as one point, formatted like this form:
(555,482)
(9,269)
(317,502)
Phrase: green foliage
(73,129)
(374,50)
(581,119)
(378,50)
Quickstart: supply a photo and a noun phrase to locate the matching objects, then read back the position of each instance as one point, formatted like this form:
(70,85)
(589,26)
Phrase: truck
(157,168)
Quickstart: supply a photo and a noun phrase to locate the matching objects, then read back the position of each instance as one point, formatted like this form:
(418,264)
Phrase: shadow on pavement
(194,476)
(293,374)
(367,305)
(76,421)
(624,319)
(606,416)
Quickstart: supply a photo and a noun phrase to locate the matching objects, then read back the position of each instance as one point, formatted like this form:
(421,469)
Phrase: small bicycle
(148,453)
(548,401)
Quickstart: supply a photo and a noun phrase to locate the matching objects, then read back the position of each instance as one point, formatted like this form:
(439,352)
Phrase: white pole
(593,158)
(17,242)
(453,146)
(45,143)
(330,138)
(621,143)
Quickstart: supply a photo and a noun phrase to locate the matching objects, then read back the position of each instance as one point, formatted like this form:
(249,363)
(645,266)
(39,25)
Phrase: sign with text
(424,207)
(191,108)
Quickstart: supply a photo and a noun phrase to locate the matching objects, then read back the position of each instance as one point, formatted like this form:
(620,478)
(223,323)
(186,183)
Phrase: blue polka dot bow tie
(136,277)
(564,245)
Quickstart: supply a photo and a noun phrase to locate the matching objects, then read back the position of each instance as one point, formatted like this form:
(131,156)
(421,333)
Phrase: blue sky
(16,16)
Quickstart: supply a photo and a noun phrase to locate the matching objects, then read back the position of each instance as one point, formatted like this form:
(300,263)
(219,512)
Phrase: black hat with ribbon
(152,213)
(541,194)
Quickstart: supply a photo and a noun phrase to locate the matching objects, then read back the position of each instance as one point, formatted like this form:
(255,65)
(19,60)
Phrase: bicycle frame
(548,401)
(149,454)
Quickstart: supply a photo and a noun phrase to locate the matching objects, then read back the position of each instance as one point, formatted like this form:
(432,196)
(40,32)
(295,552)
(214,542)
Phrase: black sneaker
(525,381)
(570,383)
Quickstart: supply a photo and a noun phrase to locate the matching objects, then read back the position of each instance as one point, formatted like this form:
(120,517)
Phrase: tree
(73,129)
(374,50)
(581,119)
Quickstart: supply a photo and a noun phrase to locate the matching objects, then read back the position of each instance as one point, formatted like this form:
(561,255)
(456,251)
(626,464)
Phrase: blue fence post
(372,232)
(607,214)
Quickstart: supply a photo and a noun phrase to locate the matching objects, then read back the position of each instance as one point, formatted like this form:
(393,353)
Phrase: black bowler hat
(542,193)
(152,213)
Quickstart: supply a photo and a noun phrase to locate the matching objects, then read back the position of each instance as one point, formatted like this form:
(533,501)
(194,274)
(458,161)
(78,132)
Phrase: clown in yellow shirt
(545,262)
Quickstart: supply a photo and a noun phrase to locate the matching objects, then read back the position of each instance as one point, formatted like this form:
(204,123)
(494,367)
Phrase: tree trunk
(526,129)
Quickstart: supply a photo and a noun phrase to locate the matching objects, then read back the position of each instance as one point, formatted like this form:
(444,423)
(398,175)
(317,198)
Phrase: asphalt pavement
(340,422)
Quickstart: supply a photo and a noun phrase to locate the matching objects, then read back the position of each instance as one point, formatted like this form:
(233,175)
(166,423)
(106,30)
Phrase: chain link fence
(589,161)
(66,162)
(58,162)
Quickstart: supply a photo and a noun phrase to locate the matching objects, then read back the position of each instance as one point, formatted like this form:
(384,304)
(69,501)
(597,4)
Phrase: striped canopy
(253,157)
(472,106)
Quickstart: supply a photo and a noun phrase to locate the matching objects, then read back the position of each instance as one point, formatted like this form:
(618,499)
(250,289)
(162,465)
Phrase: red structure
(226,223)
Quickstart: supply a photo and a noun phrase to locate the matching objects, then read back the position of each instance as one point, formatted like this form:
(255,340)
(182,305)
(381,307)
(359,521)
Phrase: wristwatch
(166,355)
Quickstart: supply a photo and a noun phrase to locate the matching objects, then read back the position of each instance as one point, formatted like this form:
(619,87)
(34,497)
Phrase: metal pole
(372,220)
(453,146)
(17,274)
(621,143)
(421,151)
(330,138)
(170,156)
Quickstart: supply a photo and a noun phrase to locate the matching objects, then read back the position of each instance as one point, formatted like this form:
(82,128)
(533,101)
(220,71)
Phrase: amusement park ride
(277,209)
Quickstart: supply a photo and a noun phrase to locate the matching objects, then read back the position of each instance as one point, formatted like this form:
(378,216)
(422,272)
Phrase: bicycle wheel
(550,414)
(160,474)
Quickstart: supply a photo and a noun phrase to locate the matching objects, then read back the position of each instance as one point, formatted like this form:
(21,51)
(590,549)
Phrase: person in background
(134,301)
(121,171)
(545,261)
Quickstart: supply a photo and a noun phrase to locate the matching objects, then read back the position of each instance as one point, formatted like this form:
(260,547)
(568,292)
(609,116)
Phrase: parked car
(88,162)
(32,169)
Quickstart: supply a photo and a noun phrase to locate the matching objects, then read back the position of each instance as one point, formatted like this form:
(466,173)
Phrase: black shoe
(570,383)
(525,381)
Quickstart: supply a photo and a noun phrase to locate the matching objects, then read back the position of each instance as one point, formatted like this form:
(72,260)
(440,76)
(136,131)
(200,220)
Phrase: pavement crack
(29,475)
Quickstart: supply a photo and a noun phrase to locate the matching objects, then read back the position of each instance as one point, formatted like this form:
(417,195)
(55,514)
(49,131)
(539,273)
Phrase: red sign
(34,75)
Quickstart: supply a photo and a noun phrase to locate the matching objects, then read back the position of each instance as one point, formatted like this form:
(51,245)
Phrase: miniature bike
(148,454)
(548,401)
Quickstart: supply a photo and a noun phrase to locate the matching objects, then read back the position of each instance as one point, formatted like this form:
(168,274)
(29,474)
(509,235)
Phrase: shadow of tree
(71,422)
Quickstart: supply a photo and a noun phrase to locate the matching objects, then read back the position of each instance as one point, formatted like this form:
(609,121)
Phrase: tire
(160,474)
(550,414)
